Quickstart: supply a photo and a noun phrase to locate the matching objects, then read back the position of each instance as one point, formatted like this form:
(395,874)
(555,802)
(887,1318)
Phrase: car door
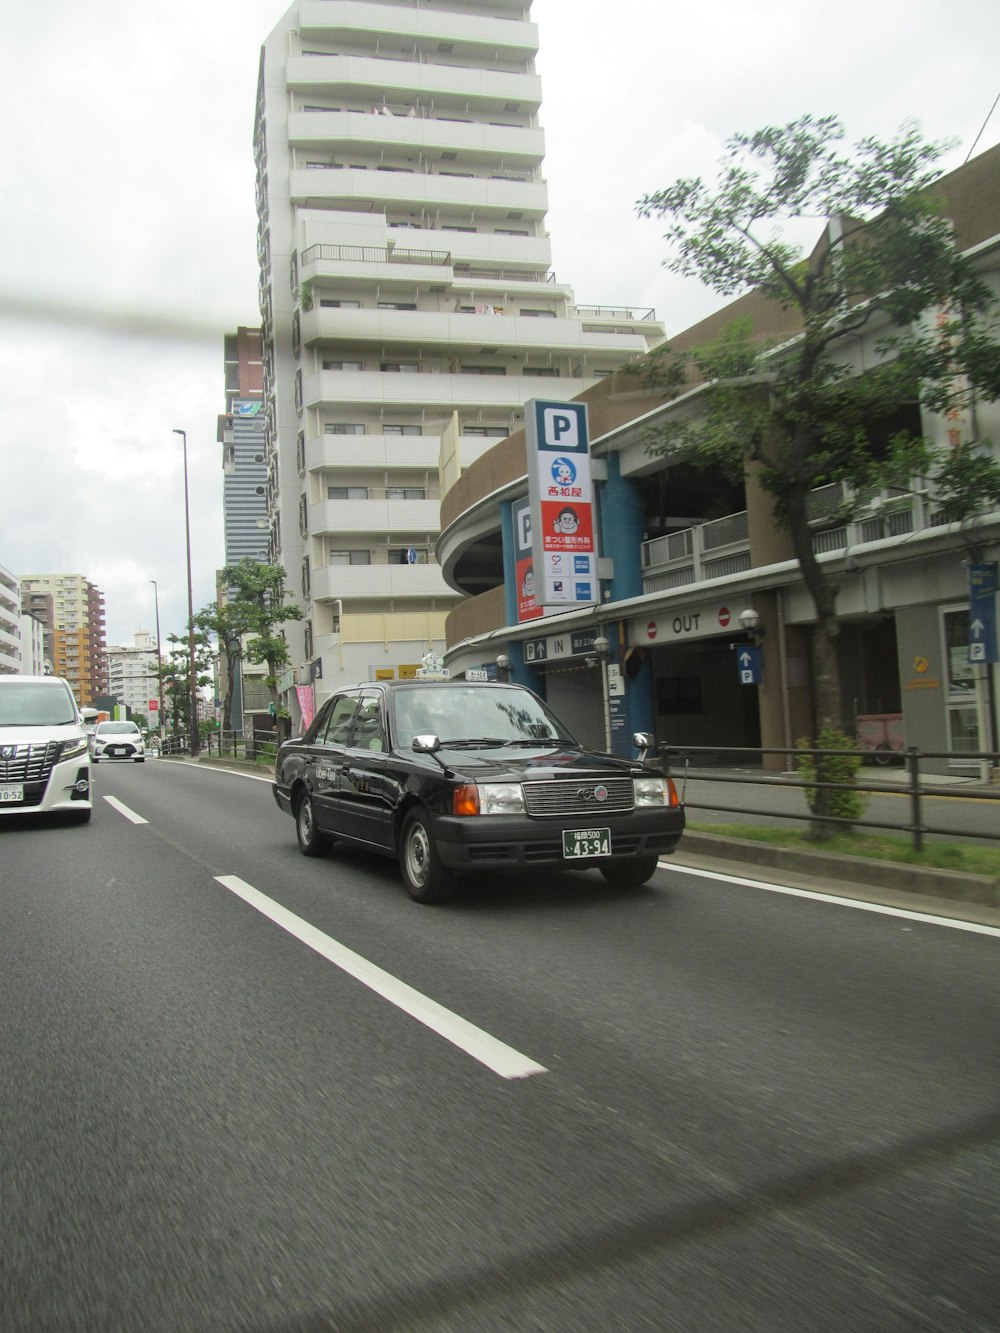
(363,797)
(326,755)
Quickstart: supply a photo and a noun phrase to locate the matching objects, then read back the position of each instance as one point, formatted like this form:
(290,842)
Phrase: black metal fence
(715,764)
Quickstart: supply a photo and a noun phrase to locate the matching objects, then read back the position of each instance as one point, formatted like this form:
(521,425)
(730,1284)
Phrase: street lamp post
(191,666)
(159,657)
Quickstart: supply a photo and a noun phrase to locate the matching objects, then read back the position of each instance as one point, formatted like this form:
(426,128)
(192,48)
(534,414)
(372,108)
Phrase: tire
(883,755)
(425,878)
(140,759)
(94,759)
(79,816)
(312,841)
(629,874)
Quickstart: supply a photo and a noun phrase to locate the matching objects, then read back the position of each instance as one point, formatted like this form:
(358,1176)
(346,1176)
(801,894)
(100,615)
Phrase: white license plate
(117,749)
(586,842)
(13,791)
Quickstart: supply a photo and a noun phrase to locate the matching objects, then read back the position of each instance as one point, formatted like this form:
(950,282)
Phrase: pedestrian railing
(694,763)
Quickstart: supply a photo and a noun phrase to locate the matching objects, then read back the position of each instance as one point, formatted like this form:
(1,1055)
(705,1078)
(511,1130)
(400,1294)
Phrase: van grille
(576,796)
(29,763)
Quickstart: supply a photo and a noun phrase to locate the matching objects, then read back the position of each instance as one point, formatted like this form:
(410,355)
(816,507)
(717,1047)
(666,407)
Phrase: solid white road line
(124,810)
(861,906)
(503,1060)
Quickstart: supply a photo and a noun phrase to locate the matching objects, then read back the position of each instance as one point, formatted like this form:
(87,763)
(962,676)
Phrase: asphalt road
(243,1090)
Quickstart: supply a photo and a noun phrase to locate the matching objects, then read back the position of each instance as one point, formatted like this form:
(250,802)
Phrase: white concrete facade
(132,674)
(11,652)
(407,302)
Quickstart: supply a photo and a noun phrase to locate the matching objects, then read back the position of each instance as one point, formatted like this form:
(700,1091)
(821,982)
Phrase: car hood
(542,765)
(40,735)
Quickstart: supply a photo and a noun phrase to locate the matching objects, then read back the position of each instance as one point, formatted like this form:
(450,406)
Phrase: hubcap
(417,858)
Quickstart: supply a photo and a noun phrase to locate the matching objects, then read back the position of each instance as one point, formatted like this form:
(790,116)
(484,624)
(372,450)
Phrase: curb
(983,890)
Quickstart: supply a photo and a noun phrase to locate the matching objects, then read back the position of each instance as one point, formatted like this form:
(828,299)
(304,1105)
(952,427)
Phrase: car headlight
(652,791)
(489,798)
(73,747)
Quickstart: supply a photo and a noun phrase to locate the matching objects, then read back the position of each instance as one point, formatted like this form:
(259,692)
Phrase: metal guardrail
(917,787)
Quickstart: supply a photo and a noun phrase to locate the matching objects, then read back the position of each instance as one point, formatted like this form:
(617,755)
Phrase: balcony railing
(614,312)
(721,548)
(373,254)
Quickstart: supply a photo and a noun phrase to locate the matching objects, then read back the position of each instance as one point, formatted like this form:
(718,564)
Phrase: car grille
(30,763)
(575,796)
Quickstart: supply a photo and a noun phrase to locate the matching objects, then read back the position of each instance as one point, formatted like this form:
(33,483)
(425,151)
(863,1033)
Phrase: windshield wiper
(477,743)
(535,740)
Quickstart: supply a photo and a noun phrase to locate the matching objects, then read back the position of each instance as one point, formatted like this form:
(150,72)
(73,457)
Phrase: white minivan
(44,753)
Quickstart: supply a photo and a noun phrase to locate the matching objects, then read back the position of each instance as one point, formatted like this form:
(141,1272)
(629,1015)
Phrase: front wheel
(425,878)
(628,874)
(312,841)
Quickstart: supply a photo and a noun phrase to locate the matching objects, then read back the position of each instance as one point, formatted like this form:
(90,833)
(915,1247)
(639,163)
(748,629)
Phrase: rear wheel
(425,878)
(312,841)
(628,874)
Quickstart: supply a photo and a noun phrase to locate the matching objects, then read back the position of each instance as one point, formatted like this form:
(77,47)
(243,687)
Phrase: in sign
(723,616)
(651,629)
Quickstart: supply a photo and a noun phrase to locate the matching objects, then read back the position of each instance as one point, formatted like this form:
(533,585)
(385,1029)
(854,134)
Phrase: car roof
(19,679)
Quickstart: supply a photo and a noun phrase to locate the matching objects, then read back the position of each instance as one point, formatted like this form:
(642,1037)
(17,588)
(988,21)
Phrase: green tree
(225,622)
(798,413)
(259,604)
(177,676)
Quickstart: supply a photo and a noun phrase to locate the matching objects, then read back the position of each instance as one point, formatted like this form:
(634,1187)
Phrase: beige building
(78,630)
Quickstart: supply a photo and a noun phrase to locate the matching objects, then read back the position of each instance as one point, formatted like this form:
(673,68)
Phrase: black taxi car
(453,777)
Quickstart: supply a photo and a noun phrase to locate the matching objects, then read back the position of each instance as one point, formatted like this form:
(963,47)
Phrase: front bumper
(498,842)
(68,786)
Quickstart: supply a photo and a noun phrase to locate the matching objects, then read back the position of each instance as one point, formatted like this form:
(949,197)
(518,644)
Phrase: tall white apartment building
(408,305)
(132,674)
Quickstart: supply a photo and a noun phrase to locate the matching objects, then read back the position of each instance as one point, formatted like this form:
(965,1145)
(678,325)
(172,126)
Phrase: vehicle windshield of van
(36,704)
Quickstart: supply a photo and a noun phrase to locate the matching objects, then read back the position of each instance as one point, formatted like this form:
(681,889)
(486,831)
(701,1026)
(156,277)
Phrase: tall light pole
(159,656)
(191,667)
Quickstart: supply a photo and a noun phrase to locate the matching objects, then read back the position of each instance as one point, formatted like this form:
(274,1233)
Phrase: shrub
(842,766)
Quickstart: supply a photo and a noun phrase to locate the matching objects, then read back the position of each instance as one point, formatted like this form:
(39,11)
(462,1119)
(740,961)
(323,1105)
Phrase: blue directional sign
(748,663)
(983,612)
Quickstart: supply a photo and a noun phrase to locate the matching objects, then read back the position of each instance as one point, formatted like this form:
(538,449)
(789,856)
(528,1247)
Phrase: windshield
(36,703)
(117,729)
(473,712)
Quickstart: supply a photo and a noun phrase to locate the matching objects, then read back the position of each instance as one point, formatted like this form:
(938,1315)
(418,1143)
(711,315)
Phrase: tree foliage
(258,608)
(796,409)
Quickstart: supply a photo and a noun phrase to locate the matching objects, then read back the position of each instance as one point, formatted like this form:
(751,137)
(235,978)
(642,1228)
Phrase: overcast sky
(127,187)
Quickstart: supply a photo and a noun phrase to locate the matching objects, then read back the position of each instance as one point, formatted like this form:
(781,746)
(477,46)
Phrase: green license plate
(586,842)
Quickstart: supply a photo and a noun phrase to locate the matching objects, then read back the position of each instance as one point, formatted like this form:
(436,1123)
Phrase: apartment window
(509,231)
(343,365)
(407,555)
(541,372)
(344,428)
(405,493)
(491,432)
(397,305)
(347,492)
(402,430)
(341,305)
(392,367)
(350,557)
(446,227)
(408,170)
(484,370)
(538,314)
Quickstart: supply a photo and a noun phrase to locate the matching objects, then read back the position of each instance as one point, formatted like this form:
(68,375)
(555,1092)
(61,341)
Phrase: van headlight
(73,747)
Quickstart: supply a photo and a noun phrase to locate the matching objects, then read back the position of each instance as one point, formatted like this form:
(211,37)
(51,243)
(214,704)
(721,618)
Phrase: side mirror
(643,741)
(426,744)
